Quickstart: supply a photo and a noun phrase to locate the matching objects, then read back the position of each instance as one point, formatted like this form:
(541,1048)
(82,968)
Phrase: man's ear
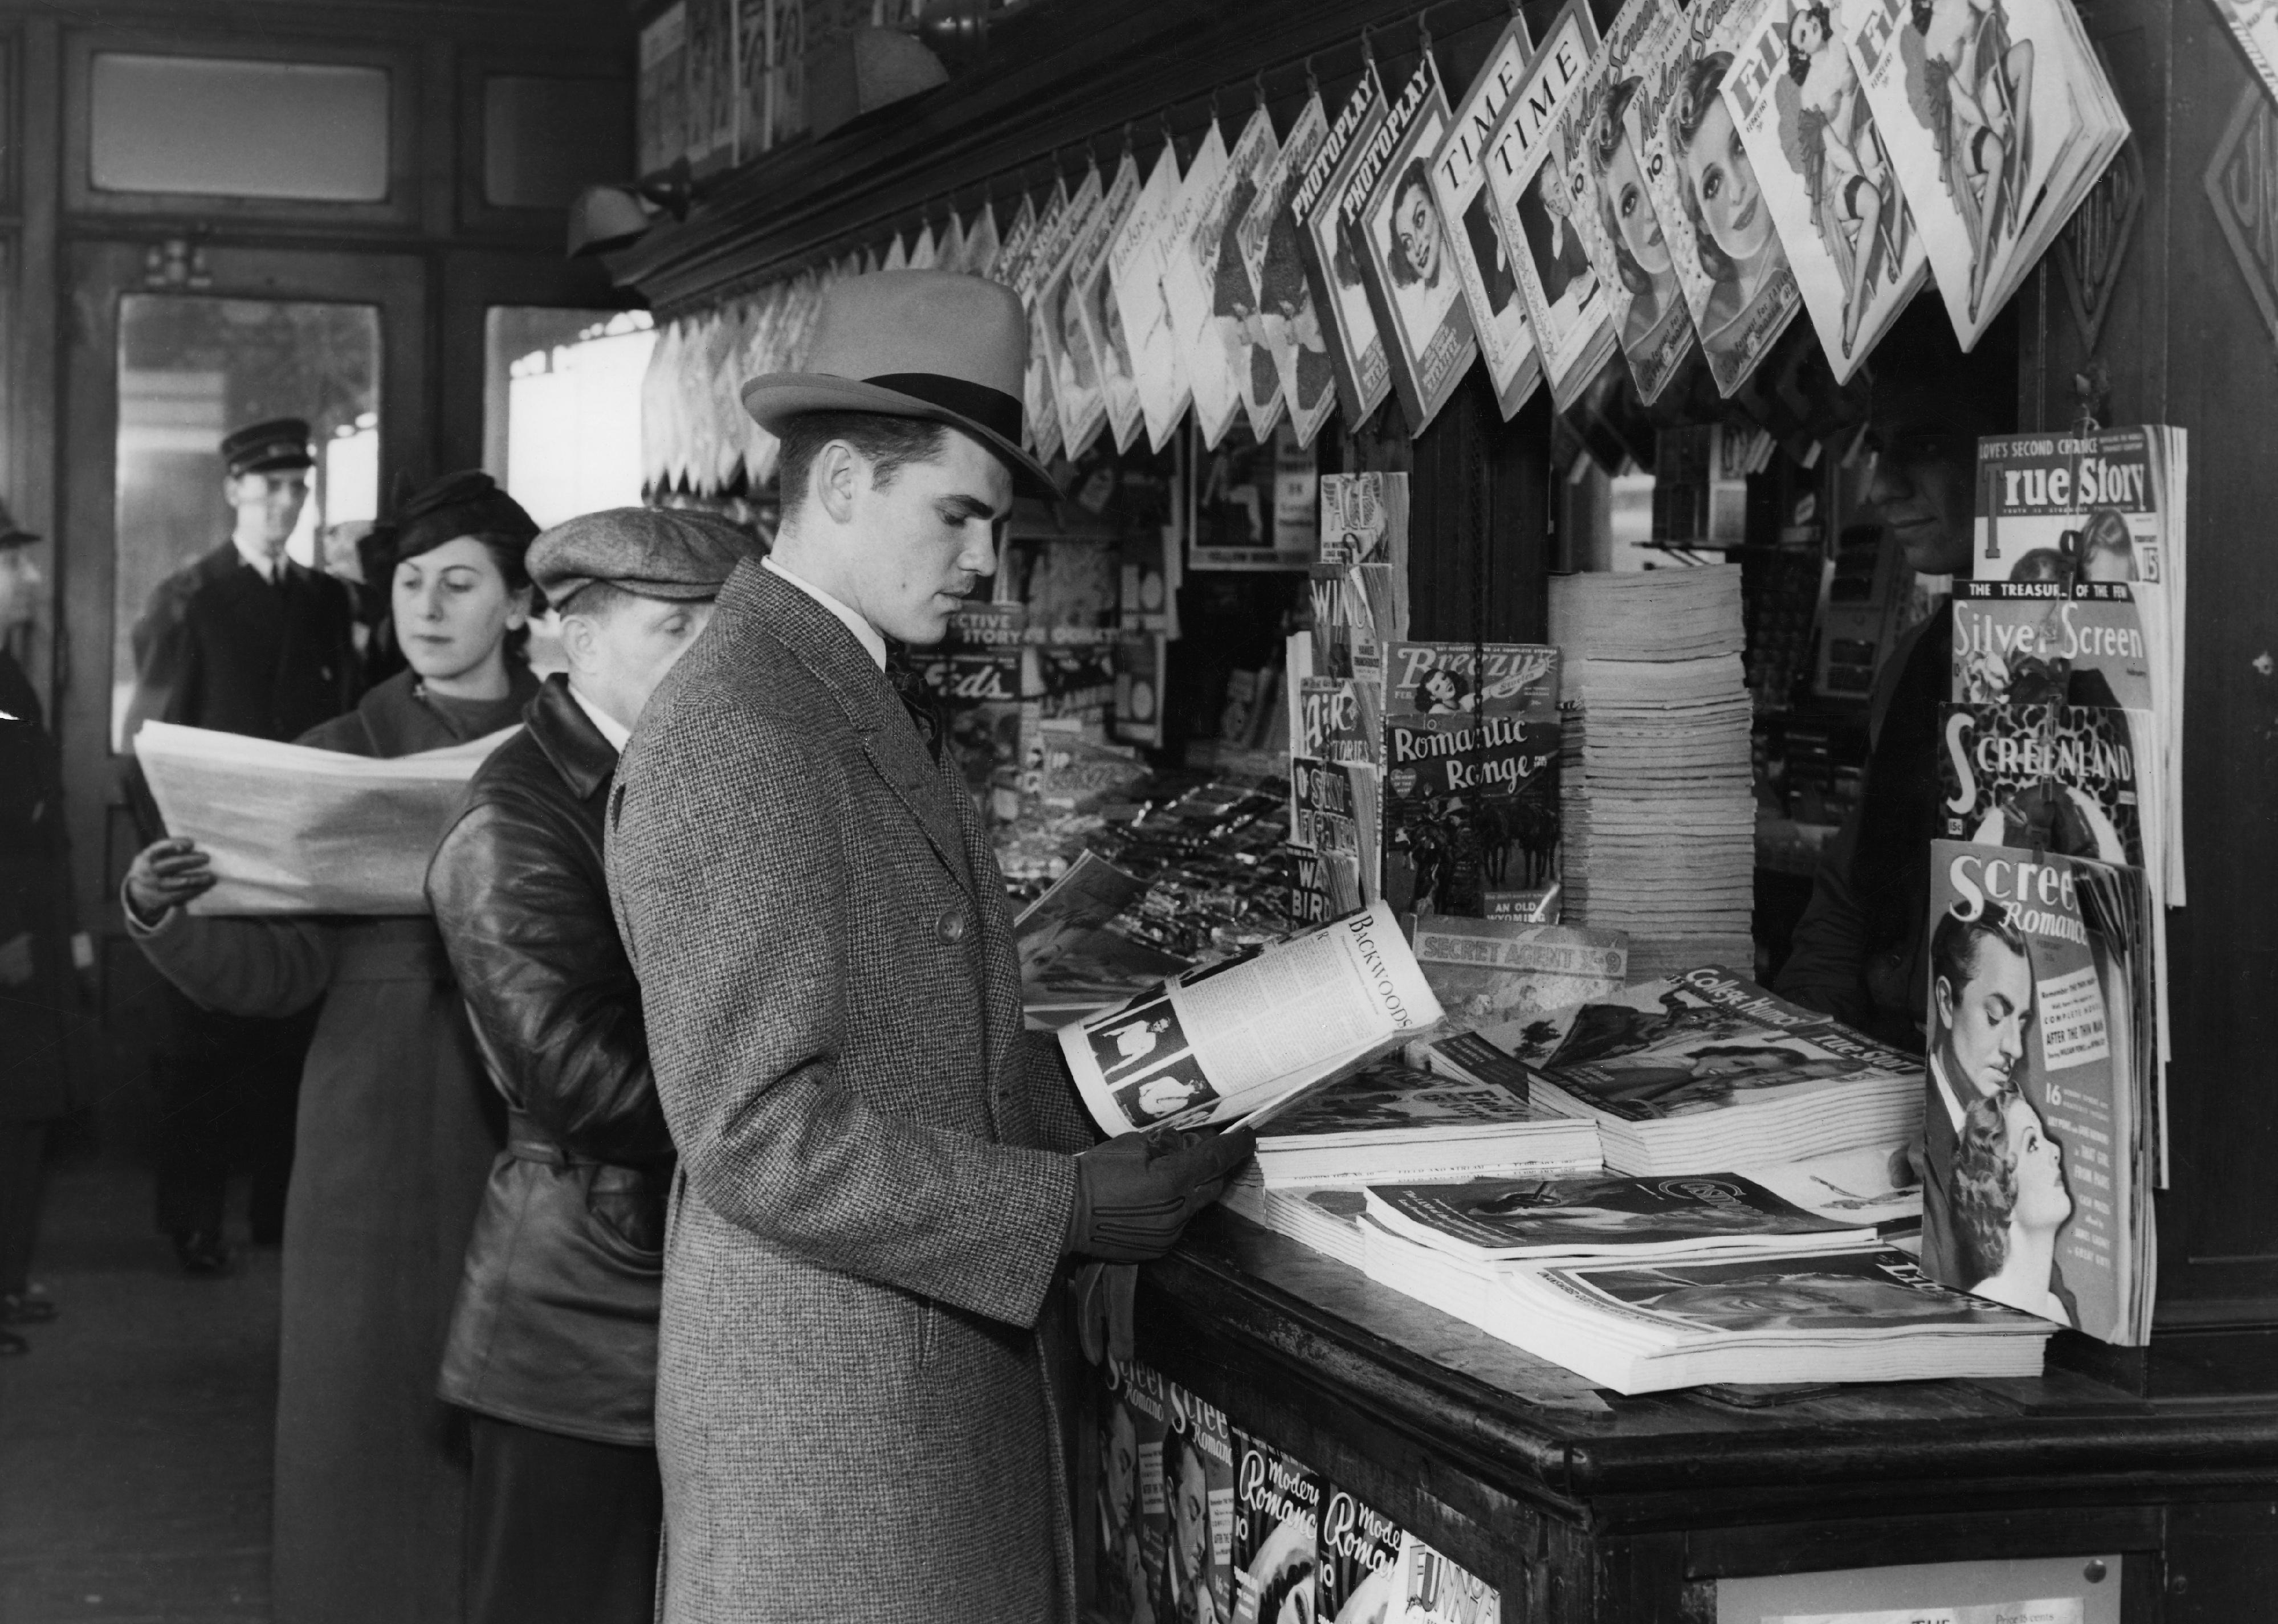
(577,635)
(834,478)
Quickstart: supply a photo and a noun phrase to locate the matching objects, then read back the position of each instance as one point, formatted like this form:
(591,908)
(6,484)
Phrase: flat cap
(653,552)
(268,447)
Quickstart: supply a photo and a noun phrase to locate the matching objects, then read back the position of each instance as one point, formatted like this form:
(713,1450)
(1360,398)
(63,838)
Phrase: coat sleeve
(240,966)
(553,998)
(727,873)
(1059,1108)
(1825,968)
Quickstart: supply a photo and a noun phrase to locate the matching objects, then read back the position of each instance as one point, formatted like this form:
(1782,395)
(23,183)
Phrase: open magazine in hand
(1233,1041)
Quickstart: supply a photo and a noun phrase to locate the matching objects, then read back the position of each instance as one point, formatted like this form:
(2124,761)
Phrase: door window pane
(192,368)
(562,399)
(207,126)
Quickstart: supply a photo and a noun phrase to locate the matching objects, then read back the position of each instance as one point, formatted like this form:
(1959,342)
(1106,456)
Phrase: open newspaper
(296,830)
(1227,1043)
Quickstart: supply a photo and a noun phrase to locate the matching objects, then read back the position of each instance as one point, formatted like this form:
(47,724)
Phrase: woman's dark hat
(929,344)
(468,503)
(270,447)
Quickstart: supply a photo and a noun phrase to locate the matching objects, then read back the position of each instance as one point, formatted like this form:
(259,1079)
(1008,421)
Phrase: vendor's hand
(1134,1195)
(165,875)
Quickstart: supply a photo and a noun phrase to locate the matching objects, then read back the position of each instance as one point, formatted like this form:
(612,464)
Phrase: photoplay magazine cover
(1331,254)
(1408,255)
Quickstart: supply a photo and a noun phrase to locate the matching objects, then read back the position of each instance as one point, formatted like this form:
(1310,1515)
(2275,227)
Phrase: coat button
(950,926)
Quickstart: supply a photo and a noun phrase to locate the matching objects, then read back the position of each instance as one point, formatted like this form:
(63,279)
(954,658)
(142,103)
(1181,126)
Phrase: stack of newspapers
(1657,802)
(1704,1070)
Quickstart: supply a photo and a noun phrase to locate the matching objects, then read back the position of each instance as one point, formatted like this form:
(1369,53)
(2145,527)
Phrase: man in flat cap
(242,640)
(882,1175)
(553,1345)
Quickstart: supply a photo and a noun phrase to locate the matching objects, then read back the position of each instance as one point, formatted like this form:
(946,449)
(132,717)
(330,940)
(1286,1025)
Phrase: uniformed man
(243,640)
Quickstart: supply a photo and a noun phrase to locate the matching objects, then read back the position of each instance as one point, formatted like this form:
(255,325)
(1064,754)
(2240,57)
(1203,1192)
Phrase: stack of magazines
(1657,798)
(1391,1120)
(1703,1070)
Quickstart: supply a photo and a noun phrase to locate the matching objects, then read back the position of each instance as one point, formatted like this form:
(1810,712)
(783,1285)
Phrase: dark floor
(135,1438)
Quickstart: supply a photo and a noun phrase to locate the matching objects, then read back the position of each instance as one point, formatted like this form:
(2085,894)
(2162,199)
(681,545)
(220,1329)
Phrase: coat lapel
(890,738)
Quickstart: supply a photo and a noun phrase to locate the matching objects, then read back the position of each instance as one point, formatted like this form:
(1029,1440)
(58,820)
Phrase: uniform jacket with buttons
(221,647)
(854,1413)
(555,1324)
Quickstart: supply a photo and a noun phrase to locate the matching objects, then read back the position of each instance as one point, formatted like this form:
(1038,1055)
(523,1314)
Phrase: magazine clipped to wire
(1233,1043)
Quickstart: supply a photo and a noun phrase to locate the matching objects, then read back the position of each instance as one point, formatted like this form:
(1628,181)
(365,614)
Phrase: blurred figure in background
(244,640)
(38,949)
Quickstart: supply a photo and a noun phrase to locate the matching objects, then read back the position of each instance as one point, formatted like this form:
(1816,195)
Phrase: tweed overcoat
(854,1418)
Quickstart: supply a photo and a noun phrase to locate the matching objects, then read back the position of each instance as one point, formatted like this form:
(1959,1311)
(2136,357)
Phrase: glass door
(168,352)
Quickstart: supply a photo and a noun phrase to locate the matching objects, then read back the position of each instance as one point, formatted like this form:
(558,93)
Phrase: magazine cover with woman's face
(1726,251)
(1411,257)
(1277,1510)
(1834,195)
(1329,243)
(1286,313)
(1091,301)
(1198,1468)
(2037,1050)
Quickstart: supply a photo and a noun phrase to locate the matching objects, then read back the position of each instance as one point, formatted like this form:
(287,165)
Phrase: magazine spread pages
(1227,1042)
(1483,266)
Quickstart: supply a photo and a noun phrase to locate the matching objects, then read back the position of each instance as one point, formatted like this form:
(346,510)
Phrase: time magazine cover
(1811,139)
(1482,264)
(1628,248)
(1727,252)
(1277,1511)
(2039,1111)
(1135,263)
(1407,257)
(1189,251)
(1331,256)
(1056,319)
(1198,1471)
(1527,178)
(1358,1563)
(1471,775)
(1134,1415)
(1091,303)
(1287,315)
(2053,777)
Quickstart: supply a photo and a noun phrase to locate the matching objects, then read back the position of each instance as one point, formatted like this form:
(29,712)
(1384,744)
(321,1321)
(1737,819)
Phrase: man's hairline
(884,481)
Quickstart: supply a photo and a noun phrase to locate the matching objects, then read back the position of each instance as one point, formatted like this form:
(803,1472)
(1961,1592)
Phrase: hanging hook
(1213,104)
(1313,85)
(1424,30)
(1258,82)
(1367,49)
(1127,138)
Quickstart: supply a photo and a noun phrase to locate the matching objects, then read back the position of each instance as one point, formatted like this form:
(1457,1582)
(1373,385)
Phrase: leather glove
(1103,1294)
(1135,1194)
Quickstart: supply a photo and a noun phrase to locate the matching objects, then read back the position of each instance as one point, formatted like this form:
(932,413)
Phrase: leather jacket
(556,1323)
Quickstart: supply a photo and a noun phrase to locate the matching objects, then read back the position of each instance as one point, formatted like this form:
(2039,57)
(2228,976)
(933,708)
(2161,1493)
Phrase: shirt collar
(609,726)
(268,569)
(866,634)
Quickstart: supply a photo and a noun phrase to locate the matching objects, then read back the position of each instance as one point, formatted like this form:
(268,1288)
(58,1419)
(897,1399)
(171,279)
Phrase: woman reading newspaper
(393,1145)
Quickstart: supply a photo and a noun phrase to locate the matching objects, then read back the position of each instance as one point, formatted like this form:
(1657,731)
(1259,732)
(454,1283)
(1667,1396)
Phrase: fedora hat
(927,344)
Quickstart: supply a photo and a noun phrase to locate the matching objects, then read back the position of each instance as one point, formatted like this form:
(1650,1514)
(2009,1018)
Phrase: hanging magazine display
(1056,317)
(1794,97)
(1237,296)
(1286,312)
(1528,181)
(1729,260)
(1998,119)
(1040,406)
(2030,642)
(1406,256)
(2039,1119)
(982,243)
(1135,263)
(2050,777)
(1189,254)
(1093,303)
(1470,779)
(2254,25)
(1482,264)
(1331,258)
(1623,233)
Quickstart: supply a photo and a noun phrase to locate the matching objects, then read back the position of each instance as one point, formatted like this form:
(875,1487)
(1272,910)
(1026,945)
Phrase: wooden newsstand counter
(1582,1505)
